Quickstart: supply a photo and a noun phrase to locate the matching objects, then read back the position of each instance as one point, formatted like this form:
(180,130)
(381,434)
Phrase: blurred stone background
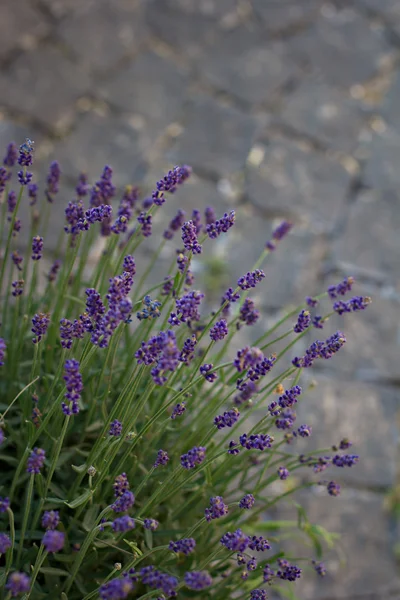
(284,109)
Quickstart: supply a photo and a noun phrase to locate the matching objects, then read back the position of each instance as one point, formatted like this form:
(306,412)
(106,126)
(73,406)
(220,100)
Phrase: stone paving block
(389,9)
(331,116)
(366,567)
(150,87)
(44,84)
(100,140)
(366,414)
(246,64)
(179,29)
(207,8)
(278,15)
(20,25)
(216,138)
(306,185)
(382,154)
(341,46)
(101,34)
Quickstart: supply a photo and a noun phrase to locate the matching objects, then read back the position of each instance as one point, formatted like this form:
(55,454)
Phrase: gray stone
(100,140)
(300,183)
(207,8)
(216,138)
(101,34)
(282,14)
(20,25)
(366,414)
(365,566)
(319,110)
(342,47)
(382,155)
(44,84)
(246,64)
(150,87)
(389,9)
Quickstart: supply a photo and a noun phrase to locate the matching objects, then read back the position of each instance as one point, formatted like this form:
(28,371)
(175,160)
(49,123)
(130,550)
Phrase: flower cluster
(217,509)
(185,546)
(193,457)
(74,385)
(215,228)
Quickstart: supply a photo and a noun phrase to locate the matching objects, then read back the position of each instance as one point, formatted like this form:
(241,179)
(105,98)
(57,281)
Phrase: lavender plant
(132,463)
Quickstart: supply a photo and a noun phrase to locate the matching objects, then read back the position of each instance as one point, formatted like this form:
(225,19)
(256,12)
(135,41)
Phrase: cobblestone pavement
(284,108)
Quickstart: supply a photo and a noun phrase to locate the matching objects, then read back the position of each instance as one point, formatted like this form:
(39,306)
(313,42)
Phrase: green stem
(26,516)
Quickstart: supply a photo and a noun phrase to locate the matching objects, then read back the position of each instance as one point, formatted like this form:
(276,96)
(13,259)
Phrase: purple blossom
(120,485)
(187,307)
(175,225)
(219,331)
(268,574)
(345,444)
(123,502)
(37,247)
(150,524)
(17,259)
(187,353)
(289,397)
(18,286)
(236,541)
(356,303)
(311,302)
(248,313)
(4,504)
(247,501)
(304,431)
(259,544)
(74,214)
(32,193)
(11,155)
(341,288)
(50,519)
(193,457)
(129,265)
(319,568)
(170,182)
(151,309)
(197,580)
(18,583)
(217,509)
(252,564)
(205,371)
(156,579)
(278,234)
(26,150)
(94,304)
(258,594)
(178,410)
(196,218)
(53,179)
(189,238)
(287,571)
(303,321)
(215,228)
(115,428)
(11,201)
(209,215)
(123,524)
(346,460)
(96,214)
(145,223)
(283,473)
(17,227)
(53,541)
(250,280)
(318,322)
(286,419)
(248,358)
(103,190)
(116,589)
(24,178)
(5,543)
(82,188)
(185,546)
(40,323)
(233,448)
(260,369)
(4,177)
(256,441)
(320,349)
(74,386)
(162,459)
(36,461)
(247,391)
(228,419)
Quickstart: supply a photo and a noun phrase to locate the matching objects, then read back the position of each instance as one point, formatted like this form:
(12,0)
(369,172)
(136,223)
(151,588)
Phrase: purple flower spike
(228,419)
(4,177)
(193,457)
(40,323)
(185,546)
(115,428)
(18,287)
(235,542)
(11,156)
(250,280)
(150,524)
(50,519)
(17,259)
(258,594)
(303,321)
(189,238)
(204,370)
(120,485)
(146,224)
(123,524)
(333,488)
(162,458)
(53,179)
(53,541)
(248,312)
(178,410)
(215,228)
(24,178)
(217,509)
(123,502)
(104,189)
(219,331)
(341,288)
(36,461)
(37,247)
(5,543)
(353,305)
(116,589)
(18,583)
(247,501)
(74,385)
(32,193)
(259,544)
(198,580)
(283,473)
(11,201)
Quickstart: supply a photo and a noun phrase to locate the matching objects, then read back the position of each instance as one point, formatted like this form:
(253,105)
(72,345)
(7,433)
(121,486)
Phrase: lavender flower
(18,583)
(219,331)
(50,519)
(252,564)
(247,501)
(259,441)
(303,321)
(187,307)
(5,543)
(150,524)
(236,541)
(53,541)
(320,349)
(82,188)
(32,193)
(129,265)
(178,410)
(248,358)
(347,460)
(318,322)
(259,544)
(287,571)
(250,280)
(74,385)
(248,313)
(215,228)
(4,504)
(283,473)
(18,286)
(197,580)
(169,183)
(156,579)
(115,428)
(217,509)
(120,485)
(123,524)
(40,324)
(104,189)
(11,201)
(17,259)
(193,457)
(185,546)
(319,568)
(123,502)
(11,155)
(151,310)
(356,303)
(24,178)
(162,458)
(146,224)
(333,488)
(345,444)
(116,589)
(258,594)
(36,461)
(228,419)
(53,179)
(37,247)
(209,215)
(189,238)
(278,234)
(341,288)
(304,431)
(204,370)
